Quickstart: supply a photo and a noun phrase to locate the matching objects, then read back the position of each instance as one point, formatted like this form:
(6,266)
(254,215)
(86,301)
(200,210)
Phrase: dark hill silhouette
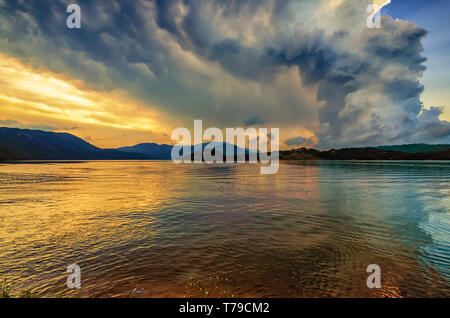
(164,152)
(415,148)
(25,144)
(361,154)
(150,150)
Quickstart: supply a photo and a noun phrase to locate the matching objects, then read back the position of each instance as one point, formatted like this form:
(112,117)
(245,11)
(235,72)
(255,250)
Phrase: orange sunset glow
(35,97)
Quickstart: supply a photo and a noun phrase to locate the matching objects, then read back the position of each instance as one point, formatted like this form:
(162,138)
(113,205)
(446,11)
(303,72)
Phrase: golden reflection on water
(187,230)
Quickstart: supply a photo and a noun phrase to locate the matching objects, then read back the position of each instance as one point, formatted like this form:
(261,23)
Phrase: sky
(433,16)
(138,69)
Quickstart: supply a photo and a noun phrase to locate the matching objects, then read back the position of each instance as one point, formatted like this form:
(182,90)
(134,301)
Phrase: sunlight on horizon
(35,97)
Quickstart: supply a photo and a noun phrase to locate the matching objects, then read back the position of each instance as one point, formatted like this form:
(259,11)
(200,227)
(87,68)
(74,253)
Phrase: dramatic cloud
(254,121)
(312,68)
(295,141)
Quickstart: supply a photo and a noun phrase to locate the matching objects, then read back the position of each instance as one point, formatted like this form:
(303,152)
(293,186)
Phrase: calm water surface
(198,230)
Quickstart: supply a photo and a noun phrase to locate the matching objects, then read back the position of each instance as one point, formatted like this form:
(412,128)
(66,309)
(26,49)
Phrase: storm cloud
(298,65)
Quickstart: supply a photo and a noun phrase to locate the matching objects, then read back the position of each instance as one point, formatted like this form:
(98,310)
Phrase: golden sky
(38,98)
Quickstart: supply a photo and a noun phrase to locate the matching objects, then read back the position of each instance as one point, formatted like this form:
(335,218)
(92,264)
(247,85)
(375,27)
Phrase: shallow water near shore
(198,230)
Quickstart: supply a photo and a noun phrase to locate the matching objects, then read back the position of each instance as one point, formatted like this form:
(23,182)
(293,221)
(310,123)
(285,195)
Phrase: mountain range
(25,144)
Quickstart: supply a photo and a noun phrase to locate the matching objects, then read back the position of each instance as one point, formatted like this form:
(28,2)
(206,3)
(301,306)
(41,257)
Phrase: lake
(196,230)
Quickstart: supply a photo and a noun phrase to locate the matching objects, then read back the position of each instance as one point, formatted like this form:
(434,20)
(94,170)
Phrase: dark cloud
(432,126)
(8,122)
(254,121)
(69,128)
(295,141)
